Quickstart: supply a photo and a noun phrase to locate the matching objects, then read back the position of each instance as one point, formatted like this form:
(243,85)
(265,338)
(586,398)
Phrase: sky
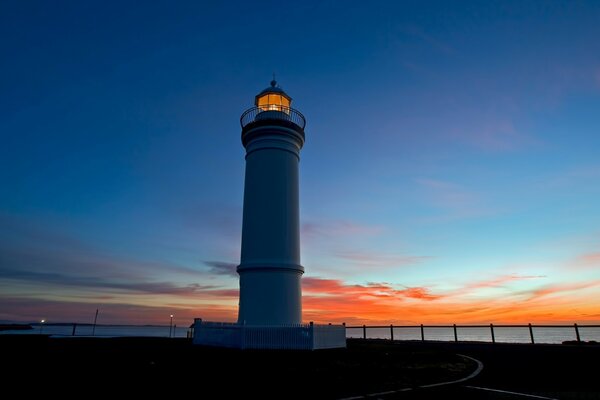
(451,170)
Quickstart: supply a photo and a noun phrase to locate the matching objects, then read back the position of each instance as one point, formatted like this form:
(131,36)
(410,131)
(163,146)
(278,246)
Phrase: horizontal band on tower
(271,267)
(273,142)
(255,131)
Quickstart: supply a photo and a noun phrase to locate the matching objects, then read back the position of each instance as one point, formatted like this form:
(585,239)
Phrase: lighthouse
(270,269)
(270,304)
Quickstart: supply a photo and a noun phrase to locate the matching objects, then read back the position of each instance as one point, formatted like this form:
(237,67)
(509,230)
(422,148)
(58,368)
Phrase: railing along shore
(490,333)
(575,327)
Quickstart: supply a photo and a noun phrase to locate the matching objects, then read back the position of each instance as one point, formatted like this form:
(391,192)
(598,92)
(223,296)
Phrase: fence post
(364,331)
(392,332)
(492,331)
(577,333)
(422,333)
(531,334)
(455,334)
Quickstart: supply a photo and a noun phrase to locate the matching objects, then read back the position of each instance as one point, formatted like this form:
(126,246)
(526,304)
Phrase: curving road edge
(470,376)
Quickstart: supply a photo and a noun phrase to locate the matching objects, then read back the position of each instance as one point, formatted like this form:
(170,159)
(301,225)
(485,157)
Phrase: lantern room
(273,98)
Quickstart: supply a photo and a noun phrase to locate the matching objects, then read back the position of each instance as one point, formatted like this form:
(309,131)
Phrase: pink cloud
(550,290)
(496,135)
(339,228)
(489,127)
(32,310)
(448,194)
(379,259)
(344,240)
(456,201)
(336,287)
(578,178)
(220,294)
(588,260)
(499,281)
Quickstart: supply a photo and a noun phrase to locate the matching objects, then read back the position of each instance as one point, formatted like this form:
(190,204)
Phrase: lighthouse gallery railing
(277,112)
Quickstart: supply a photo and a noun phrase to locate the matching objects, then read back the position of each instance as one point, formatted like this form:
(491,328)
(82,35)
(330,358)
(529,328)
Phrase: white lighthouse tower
(270,270)
(270,306)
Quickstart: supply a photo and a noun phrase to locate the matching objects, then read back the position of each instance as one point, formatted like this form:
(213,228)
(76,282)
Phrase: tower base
(283,337)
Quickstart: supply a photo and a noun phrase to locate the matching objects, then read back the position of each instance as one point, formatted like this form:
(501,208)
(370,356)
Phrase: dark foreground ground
(519,371)
(125,367)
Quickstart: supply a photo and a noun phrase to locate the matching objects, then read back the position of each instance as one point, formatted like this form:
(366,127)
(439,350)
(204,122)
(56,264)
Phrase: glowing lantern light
(273,98)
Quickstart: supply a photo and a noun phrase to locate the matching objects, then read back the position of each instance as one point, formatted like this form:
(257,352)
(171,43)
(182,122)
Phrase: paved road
(520,371)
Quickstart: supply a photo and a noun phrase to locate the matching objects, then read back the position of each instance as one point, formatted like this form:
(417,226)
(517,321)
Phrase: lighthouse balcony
(272,113)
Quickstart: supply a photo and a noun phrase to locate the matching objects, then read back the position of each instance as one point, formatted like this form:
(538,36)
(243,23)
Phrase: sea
(102,330)
(478,334)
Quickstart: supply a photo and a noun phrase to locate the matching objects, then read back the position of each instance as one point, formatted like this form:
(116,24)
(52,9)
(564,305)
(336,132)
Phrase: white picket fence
(283,337)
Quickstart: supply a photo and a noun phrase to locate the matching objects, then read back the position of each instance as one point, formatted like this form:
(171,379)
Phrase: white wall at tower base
(291,337)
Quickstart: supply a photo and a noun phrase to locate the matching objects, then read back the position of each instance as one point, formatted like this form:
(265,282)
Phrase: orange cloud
(562,288)
(334,287)
(499,281)
(333,300)
(419,293)
(330,300)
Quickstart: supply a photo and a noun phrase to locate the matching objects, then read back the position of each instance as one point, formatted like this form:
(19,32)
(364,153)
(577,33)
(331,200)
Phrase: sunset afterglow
(451,170)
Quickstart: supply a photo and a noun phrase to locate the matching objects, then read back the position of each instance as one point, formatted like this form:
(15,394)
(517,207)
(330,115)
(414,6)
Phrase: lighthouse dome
(273,98)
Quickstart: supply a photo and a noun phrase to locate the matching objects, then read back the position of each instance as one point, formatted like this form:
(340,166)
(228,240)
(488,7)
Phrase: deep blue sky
(452,155)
